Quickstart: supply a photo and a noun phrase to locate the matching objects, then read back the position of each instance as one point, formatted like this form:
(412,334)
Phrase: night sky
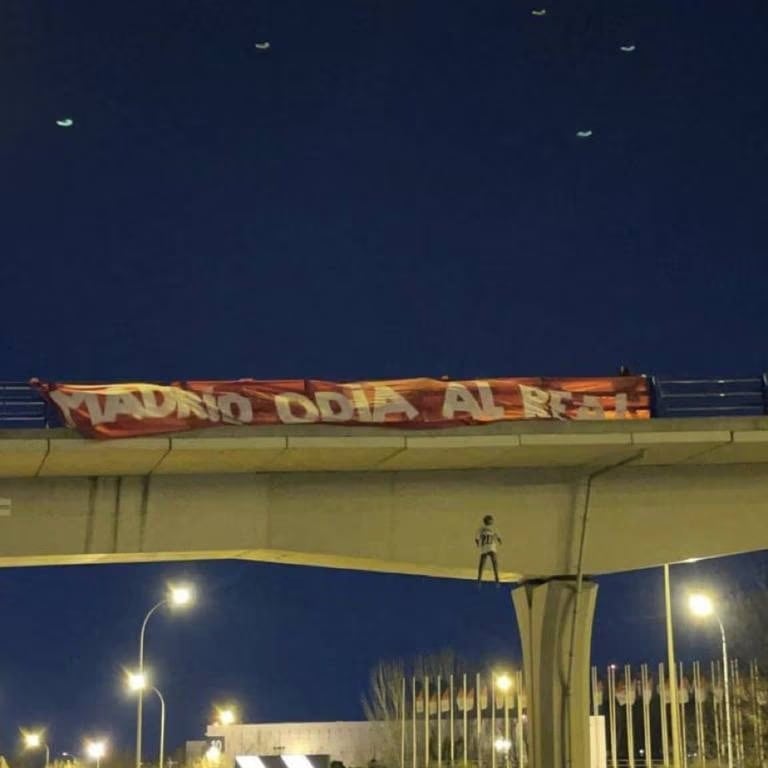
(393,189)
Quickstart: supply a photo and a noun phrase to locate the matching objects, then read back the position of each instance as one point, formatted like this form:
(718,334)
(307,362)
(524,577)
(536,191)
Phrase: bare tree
(383,706)
(745,610)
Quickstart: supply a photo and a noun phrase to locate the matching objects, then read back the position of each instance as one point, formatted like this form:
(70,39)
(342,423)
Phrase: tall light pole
(702,605)
(178,596)
(34,740)
(137,682)
(161,759)
(674,711)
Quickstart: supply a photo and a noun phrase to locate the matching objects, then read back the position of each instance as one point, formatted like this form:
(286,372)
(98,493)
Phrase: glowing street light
(502,745)
(213,755)
(703,606)
(34,740)
(178,596)
(96,750)
(226,716)
(504,684)
(181,595)
(137,682)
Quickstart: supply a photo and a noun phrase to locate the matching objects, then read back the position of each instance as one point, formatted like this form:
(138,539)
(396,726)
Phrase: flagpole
(439,723)
(479,720)
(413,715)
(520,733)
(673,690)
(426,722)
(663,706)
(452,705)
(402,725)
(465,713)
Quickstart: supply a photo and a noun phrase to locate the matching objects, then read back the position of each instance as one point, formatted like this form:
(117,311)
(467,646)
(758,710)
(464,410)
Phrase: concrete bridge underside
(408,502)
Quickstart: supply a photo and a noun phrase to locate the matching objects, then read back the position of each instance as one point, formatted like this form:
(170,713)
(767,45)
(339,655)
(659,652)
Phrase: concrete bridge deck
(390,500)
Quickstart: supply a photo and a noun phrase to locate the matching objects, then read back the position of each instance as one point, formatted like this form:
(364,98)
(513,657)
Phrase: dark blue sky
(393,189)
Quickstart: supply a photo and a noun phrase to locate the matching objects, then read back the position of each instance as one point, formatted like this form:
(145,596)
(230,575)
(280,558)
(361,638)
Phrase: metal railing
(709,397)
(21,406)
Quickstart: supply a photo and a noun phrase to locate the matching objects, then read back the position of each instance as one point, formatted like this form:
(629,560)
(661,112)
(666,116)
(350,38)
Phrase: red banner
(133,409)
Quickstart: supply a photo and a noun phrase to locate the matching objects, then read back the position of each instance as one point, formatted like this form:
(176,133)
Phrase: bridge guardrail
(709,397)
(21,406)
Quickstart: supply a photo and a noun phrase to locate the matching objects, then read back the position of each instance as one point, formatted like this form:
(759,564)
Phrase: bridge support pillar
(558,723)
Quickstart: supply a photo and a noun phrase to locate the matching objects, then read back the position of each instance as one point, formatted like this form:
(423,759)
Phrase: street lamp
(226,716)
(34,740)
(504,684)
(703,606)
(137,681)
(96,750)
(178,596)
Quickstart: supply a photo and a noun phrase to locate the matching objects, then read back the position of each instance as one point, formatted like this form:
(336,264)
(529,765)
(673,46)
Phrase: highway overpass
(397,501)
(406,502)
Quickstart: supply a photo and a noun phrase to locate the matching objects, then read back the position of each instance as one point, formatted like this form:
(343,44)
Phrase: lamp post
(178,596)
(137,681)
(674,690)
(96,750)
(34,740)
(702,605)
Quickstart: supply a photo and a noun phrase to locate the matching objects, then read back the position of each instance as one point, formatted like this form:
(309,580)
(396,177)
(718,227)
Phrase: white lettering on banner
(69,402)
(349,403)
(535,402)
(156,403)
(491,411)
(326,401)
(592,408)
(189,404)
(122,403)
(66,402)
(229,403)
(360,402)
(386,401)
(212,407)
(153,409)
(459,399)
(557,401)
(551,403)
(285,403)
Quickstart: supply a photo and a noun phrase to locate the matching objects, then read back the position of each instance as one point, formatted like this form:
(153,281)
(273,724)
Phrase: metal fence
(460,721)
(21,405)
(709,397)
(636,705)
(472,721)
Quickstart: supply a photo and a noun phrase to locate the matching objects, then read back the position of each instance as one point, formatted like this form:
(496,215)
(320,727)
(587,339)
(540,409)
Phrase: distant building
(352,743)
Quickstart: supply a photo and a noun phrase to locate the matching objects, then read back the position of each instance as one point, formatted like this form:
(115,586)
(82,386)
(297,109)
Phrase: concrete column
(558,724)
